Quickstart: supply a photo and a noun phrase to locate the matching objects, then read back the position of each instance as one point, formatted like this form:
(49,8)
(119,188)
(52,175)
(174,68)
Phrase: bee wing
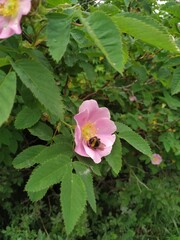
(101,146)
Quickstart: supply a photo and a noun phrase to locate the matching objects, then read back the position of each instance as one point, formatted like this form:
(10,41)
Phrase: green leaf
(26,158)
(58,34)
(86,176)
(89,71)
(109,9)
(175,87)
(88,162)
(107,37)
(80,37)
(4,61)
(134,139)
(8,137)
(73,199)
(7,95)
(146,29)
(48,174)
(41,82)
(42,131)
(54,151)
(36,196)
(41,154)
(114,159)
(173,8)
(57,2)
(27,117)
(172,102)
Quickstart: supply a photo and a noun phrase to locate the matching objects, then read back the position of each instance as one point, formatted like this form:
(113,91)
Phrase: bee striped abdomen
(95,143)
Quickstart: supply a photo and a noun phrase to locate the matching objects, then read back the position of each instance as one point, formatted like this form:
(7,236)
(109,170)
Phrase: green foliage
(126,133)
(175,87)
(110,42)
(58,34)
(145,28)
(7,94)
(48,174)
(27,157)
(115,158)
(35,196)
(27,117)
(86,176)
(40,81)
(73,199)
(124,54)
(42,131)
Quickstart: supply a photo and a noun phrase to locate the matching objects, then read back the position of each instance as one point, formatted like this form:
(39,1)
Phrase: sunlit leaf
(107,37)
(146,29)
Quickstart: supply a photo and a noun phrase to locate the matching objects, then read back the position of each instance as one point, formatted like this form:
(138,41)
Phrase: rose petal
(5,30)
(80,150)
(25,7)
(106,139)
(92,154)
(99,113)
(90,105)
(79,143)
(105,126)
(106,151)
(81,118)
(77,134)
(14,24)
(10,25)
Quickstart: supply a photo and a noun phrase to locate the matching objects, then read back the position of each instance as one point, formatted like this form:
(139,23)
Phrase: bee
(95,143)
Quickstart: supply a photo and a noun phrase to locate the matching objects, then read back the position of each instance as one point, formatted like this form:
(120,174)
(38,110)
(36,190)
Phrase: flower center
(155,159)
(88,131)
(9,8)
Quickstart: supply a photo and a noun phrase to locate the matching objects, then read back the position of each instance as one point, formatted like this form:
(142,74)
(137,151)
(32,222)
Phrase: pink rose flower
(94,131)
(156,159)
(11,12)
(132,98)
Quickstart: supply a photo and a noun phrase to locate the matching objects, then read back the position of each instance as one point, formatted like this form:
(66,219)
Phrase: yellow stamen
(88,131)
(9,8)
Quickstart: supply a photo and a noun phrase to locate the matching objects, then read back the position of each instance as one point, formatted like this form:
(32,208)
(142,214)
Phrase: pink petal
(25,7)
(82,117)
(90,105)
(92,154)
(2,1)
(77,134)
(10,25)
(105,126)
(80,150)
(5,30)
(106,151)
(99,113)
(79,142)
(14,24)
(107,139)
